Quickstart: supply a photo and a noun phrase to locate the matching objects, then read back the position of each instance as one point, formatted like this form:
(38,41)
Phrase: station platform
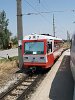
(59,83)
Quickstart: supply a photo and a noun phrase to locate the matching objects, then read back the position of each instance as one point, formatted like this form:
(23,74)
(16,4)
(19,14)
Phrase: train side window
(57,45)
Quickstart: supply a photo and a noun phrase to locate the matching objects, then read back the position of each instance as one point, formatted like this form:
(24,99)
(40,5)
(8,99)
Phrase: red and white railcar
(40,50)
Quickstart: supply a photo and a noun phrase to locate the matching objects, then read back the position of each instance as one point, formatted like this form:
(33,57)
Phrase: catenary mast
(53,26)
(19,31)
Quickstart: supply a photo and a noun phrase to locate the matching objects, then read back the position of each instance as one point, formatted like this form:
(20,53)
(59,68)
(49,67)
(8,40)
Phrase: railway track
(22,89)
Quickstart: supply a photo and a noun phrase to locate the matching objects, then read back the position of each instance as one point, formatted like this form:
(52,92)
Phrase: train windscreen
(34,48)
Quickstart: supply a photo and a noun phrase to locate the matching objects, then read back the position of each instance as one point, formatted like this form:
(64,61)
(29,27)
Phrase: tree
(4,32)
(14,40)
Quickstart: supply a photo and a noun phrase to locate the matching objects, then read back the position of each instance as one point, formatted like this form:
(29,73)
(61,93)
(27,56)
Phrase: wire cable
(36,11)
(47,12)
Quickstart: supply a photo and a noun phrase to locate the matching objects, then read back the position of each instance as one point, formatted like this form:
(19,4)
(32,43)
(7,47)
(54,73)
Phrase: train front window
(34,48)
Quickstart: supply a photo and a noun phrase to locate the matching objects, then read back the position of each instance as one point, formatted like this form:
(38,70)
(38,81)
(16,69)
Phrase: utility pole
(68,36)
(53,26)
(19,31)
(68,39)
(39,1)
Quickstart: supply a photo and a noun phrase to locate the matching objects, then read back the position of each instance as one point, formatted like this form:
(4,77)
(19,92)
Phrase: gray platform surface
(63,85)
(10,52)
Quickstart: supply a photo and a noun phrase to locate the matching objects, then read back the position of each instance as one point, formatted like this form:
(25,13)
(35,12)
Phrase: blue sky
(42,23)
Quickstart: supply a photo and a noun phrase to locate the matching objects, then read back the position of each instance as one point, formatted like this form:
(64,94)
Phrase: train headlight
(26,57)
(41,57)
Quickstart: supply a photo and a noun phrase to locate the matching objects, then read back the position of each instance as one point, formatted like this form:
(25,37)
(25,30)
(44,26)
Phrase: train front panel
(34,53)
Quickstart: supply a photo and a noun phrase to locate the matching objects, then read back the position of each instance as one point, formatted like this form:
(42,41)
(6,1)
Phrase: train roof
(40,36)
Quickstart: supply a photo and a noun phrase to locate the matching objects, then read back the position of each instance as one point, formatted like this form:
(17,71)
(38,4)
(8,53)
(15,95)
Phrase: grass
(10,59)
(6,65)
(7,68)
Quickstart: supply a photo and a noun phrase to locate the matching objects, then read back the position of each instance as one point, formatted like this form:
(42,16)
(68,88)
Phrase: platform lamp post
(19,31)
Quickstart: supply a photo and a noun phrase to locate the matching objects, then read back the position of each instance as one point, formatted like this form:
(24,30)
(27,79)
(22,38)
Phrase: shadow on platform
(63,84)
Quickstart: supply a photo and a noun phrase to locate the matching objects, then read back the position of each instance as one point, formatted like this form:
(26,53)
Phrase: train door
(50,57)
(50,46)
